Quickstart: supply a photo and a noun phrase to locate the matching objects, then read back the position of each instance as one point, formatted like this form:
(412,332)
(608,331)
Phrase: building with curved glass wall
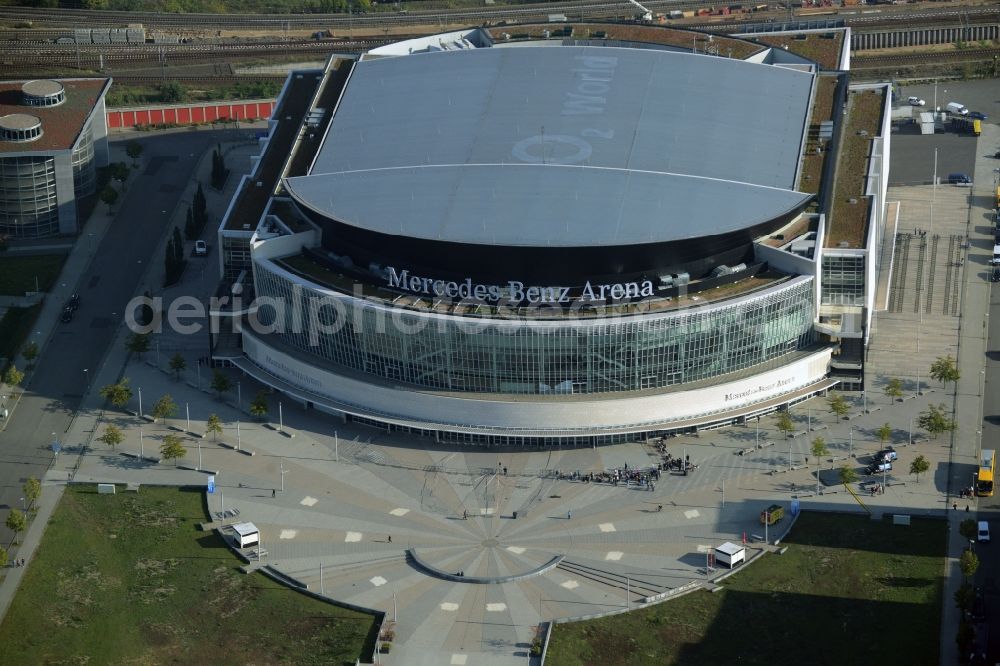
(561,355)
(49,165)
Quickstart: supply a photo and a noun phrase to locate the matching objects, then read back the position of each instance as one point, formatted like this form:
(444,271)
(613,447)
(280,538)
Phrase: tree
(894,389)
(172,448)
(785,423)
(3,557)
(919,466)
(30,351)
(133,149)
(109,195)
(968,562)
(943,369)
(112,436)
(966,637)
(120,172)
(177,364)
(819,448)
(16,522)
(220,383)
(968,529)
(13,376)
(137,343)
(32,489)
(146,312)
(171,92)
(839,406)
(884,433)
(258,408)
(847,475)
(935,420)
(117,394)
(965,595)
(214,425)
(178,246)
(190,231)
(200,207)
(165,407)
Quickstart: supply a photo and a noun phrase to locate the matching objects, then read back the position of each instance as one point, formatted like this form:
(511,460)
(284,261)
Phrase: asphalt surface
(989,507)
(115,275)
(912,154)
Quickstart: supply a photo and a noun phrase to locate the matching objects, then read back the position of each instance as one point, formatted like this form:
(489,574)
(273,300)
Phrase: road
(114,276)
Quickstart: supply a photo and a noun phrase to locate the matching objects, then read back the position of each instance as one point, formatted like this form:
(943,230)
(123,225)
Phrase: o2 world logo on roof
(588,97)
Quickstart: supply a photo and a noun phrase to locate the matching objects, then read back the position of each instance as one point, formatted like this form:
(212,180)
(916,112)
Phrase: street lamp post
(238,438)
(187,413)
(86,381)
(239,398)
(140,402)
(281,464)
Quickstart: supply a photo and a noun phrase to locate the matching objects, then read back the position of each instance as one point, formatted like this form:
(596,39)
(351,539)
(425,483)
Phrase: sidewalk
(85,423)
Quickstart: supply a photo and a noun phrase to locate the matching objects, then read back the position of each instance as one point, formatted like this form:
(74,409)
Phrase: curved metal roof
(565,146)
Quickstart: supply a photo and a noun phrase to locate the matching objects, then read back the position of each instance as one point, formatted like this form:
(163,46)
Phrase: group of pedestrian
(19,562)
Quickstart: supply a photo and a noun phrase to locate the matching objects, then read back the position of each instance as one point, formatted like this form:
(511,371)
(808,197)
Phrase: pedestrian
(569,515)
(505,471)
(954,505)
(967,508)
(465,514)
(659,507)
(390,538)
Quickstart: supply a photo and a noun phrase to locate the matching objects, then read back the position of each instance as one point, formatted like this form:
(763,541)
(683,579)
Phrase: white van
(956,108)
(984,532)
(996,255)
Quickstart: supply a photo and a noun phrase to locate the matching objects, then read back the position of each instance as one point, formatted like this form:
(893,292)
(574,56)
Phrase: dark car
(977,115)
(67,315)
(887,454)
(74,302)
(995,277)
(978,612)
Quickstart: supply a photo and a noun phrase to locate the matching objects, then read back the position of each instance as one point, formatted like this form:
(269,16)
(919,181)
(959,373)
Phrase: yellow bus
(984,480)
(977,127)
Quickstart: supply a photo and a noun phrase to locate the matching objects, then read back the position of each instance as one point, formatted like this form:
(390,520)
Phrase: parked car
(878,468)
(887,454)
(73,302)
(959,179)
(978,612)
(983,536)
(67,315)
(915,101)
(200,248)
(978,115)
(995,277)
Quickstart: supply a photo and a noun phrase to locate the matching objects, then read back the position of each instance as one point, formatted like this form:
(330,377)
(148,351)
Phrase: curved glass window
(28,205)
(598,355)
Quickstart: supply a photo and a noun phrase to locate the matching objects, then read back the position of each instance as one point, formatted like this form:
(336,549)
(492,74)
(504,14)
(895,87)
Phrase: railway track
(917,59)
(130,80)
(97,57)
(535,12)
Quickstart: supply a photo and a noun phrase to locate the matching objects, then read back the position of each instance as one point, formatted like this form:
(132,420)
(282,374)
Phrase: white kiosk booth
(246,534)
(730,554)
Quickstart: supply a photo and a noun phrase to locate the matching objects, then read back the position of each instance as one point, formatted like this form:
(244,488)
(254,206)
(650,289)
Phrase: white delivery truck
(956,108)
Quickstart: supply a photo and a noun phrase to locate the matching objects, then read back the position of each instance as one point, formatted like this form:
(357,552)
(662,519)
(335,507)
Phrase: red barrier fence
(187,114)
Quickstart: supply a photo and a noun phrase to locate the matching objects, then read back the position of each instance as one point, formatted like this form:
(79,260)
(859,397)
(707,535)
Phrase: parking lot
(912,154)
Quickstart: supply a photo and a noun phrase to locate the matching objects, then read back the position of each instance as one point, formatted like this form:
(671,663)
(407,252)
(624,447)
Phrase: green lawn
(848,591)
(128,578)
(18,273)
(14,329)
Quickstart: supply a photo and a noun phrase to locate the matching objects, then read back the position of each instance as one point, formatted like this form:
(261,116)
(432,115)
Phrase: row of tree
(174,261)
(197,215)
(17,520)
(219,171)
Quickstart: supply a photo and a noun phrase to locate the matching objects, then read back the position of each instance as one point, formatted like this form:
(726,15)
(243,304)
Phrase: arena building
(53,136)
(549,237)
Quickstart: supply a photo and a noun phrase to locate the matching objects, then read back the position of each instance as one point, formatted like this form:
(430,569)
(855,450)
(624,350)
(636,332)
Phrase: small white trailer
(730,554)
(246,535)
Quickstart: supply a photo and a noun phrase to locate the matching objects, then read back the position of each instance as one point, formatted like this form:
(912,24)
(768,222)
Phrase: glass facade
(843,279)
(84,169)
(28,205)
(629,353)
